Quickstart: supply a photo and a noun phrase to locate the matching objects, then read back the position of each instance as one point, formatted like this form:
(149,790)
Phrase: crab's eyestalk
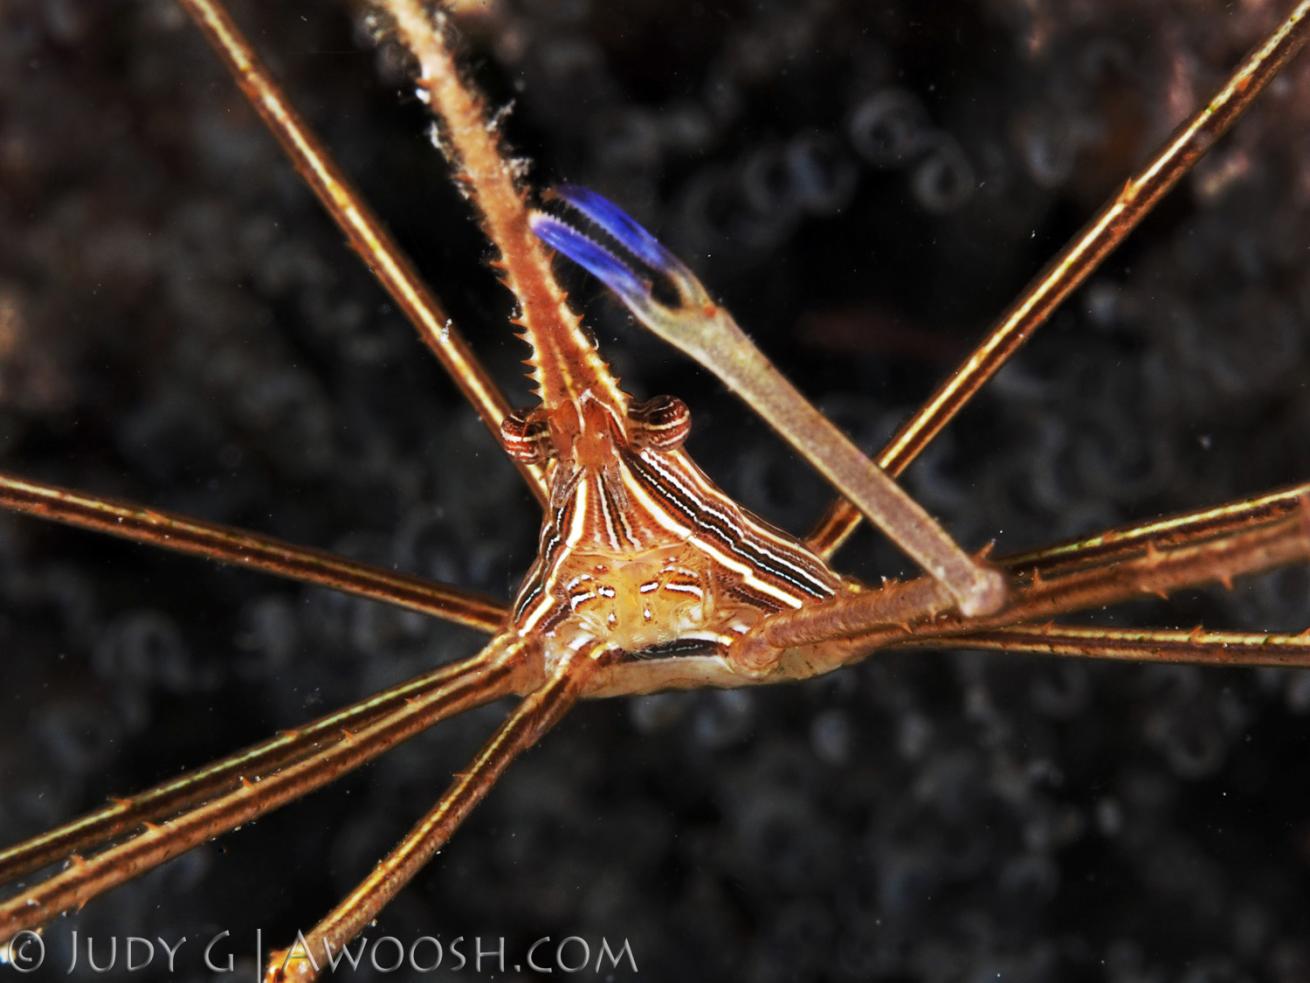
(526,436)
(661,423)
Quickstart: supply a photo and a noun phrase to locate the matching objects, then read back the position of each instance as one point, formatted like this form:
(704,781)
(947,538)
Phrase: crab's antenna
(706,332)
(564,364)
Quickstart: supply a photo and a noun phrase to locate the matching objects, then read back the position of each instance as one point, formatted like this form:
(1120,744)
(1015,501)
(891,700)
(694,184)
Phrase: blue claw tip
(619,224)
(590,255)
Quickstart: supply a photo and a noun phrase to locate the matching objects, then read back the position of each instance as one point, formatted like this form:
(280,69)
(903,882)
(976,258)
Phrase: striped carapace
(638,546)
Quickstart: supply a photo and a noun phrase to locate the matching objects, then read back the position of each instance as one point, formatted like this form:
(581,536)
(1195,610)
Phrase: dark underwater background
(865,186)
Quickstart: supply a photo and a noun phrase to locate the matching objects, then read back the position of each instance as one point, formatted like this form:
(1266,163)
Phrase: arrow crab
(170,338)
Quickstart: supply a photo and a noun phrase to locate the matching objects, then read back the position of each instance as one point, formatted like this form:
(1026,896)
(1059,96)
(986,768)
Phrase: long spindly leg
(362,228)
(853,626)
(1197,646)
(503,667)
(1077,261)
(537,713)
(250,550)
(1113,544)
(226,775)
(1155,572)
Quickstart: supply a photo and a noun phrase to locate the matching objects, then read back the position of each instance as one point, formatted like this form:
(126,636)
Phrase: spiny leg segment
(1215,543)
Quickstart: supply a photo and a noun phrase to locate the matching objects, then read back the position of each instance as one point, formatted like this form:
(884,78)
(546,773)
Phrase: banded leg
(538,712)
(500,669)
(1077,261)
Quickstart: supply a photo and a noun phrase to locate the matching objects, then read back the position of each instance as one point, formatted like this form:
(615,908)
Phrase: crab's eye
(526,437)
(661,423)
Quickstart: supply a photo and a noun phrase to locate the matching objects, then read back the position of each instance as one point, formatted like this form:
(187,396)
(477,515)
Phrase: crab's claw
(610,245)
(627,259)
